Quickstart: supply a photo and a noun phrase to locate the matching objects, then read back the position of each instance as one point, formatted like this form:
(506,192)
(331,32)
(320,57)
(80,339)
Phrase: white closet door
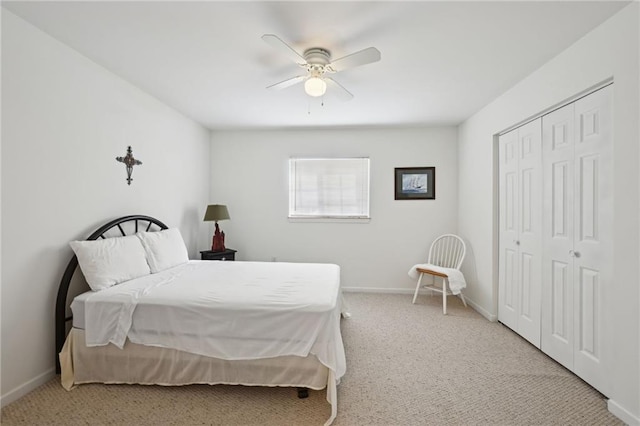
(593,248)
(557,262)
(520,230)
(530,230)
(577,235)
(508,256)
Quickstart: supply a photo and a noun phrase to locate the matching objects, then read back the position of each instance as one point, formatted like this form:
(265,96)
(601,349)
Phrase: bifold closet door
(577,228)
(519,290)
(557,271)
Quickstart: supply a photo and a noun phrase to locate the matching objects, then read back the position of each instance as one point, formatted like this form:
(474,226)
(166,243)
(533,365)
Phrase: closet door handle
(517,242)
(575,254)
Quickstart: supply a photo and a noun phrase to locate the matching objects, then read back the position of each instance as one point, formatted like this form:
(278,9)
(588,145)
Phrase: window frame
(294,216)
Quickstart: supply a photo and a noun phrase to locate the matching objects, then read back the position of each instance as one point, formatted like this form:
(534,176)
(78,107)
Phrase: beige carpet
(406,365)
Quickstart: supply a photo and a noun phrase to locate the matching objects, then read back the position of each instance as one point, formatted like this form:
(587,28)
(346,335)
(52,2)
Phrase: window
(329,188)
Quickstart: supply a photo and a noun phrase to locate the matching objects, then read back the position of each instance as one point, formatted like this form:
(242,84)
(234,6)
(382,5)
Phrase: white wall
(611,50)
(250,174)
(64,120)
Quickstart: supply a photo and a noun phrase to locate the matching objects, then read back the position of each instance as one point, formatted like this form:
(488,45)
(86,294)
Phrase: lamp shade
(315,86)
(216,212)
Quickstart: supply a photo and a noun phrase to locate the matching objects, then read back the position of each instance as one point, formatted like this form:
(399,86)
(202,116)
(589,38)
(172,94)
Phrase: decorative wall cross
(129,162)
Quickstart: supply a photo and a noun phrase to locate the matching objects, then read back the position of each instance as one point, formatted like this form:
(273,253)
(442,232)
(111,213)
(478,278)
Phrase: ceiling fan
(318,63)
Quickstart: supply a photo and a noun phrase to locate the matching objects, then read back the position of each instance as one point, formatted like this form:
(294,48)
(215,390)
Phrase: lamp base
(218,240)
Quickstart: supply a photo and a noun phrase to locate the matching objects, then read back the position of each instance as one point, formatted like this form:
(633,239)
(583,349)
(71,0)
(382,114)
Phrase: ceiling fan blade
(362,57)
(288,82)
(339,90)
(283,47)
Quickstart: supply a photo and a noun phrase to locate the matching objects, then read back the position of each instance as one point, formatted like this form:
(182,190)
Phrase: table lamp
(214,213)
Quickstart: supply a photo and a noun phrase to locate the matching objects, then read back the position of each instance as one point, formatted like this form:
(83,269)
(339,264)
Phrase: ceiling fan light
(315,86)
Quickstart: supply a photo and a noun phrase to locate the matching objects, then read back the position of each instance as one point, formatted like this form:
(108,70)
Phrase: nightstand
(228,254)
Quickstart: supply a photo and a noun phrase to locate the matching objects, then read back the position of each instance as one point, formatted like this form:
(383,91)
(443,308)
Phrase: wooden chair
(447,251)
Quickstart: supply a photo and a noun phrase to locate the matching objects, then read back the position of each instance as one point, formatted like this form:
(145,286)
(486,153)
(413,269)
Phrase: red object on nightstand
(218,240)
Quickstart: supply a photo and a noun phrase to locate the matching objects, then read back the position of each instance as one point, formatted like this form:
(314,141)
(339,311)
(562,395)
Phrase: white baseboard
(479,309)
(489,316)
(27,387)
(624,415)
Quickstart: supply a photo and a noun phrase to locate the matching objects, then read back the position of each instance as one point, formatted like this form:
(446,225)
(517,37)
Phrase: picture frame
(415,183)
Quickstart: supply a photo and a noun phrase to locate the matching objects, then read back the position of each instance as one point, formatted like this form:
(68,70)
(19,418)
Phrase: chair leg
(417,288)
(444,296)
(464,302)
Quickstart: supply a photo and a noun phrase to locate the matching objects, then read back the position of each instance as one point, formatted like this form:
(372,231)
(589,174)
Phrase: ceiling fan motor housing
(317,56)
(317,61)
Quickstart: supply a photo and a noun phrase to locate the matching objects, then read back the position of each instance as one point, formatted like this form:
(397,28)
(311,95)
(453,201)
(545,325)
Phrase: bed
(152,316)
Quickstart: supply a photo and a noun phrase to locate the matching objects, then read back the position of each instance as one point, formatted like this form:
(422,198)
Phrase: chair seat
(434,287)
(429,271)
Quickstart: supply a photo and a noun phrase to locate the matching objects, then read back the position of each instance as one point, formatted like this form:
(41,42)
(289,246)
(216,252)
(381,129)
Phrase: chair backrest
(447,251)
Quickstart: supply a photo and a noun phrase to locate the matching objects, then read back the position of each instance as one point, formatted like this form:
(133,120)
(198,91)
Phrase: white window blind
(329,188)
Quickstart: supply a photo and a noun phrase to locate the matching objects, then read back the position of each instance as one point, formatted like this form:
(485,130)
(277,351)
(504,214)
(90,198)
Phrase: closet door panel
(530,230)
(593,249)
(508,257)
(520,153)
(557,304)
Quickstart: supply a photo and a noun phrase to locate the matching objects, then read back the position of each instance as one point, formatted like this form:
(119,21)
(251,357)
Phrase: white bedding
(226,310)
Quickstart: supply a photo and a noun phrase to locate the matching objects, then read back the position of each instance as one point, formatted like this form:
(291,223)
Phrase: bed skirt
(147,365)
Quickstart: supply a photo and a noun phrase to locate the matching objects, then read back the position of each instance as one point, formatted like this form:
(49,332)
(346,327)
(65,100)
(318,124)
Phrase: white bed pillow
(165,249)
(111,261)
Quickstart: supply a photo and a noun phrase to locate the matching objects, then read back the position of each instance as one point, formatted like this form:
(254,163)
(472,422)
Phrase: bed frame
(140,223)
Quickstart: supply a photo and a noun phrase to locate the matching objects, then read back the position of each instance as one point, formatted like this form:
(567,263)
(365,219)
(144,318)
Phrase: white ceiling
(441,61)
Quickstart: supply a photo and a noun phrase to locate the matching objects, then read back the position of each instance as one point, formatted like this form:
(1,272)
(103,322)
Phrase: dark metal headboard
(63,290)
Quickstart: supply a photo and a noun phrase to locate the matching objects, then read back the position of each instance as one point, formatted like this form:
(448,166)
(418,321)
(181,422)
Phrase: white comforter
(228,310)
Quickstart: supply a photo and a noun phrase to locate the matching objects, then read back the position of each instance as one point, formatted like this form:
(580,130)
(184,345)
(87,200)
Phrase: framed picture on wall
(415,183)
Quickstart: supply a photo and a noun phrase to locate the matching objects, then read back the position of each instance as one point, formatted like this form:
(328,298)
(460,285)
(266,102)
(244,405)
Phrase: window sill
(329,219)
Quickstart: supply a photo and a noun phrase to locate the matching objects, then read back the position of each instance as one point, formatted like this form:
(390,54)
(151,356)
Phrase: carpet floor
(406,365)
